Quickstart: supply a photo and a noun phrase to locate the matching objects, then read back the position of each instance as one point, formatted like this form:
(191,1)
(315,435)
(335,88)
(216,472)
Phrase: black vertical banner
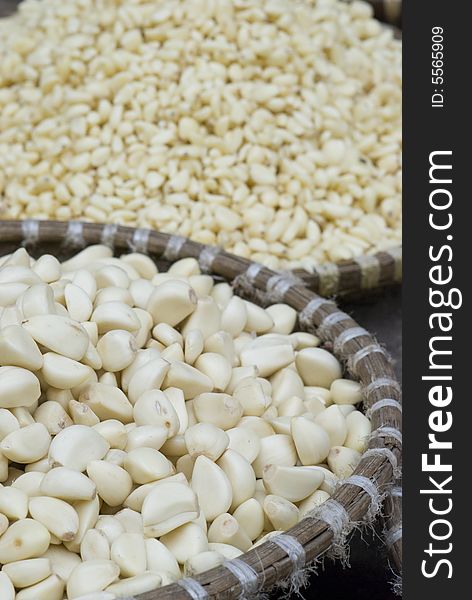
(437,498)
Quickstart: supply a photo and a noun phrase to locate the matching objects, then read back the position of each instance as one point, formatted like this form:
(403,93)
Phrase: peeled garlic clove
(146,464)
(203,562)
(318,367)
(212,487)
(38,299)
(57,516)
(129,553)
(76,446)
(359,429)
(13,503)
(52,416)
(286,383)
(91,576)
(188,379)
(30,483)
(240,475)
(193,345)
(59,334)
(173,353)
(139,584)
(136,498)
(51,588)
(250,516)
(94,546)
(24,573)
(26,445)
(282,513)
(221,343)
(222,410)
(8,422)
(206,439)
(24,539)
(154,408)
(228,551)
(67,484)
(346,391)
(343,461)
(275,450)
(292,483)
(168,506)
(185,541)
(171,302)
(244,441)
(159,558)
(117,349)
(225,529)
(18,349)
(85,257)
(115,315)
(250,393)
(176,398)
(292,407)
(216,367)
(312,501)
(107,402)
(62,561)
(257,425)
(149,436)
(18,387)
(149,377)
(284,318)
(334,423)
(311,441)
(114,432)
(234,316)
(206,318)
(7,591)
(268,361)
(110,526)
(87,511)
(113,483)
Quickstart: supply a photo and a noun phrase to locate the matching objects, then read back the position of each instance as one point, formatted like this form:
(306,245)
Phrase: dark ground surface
(369,575)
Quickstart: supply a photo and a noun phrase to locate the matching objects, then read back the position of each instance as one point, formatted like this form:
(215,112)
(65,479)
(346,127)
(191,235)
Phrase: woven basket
(357,500)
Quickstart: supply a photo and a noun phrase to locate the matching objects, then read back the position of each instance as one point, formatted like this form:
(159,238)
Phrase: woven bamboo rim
(354,502)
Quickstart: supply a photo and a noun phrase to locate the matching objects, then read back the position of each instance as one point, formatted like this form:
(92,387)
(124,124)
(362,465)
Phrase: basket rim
(356,500)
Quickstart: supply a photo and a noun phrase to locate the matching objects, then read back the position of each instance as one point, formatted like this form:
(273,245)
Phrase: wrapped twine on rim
(284,559)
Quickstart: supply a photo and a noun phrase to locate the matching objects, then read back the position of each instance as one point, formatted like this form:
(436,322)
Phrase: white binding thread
(370,488)
(370,270)
(363,353)
(108,235)
(30,232)
(331,320)
(246,576)
(382,432)
(140,240)
(194,589)
(389,455)
(292,547)
(329,279)
(382,382)
(335,516)
(347,335)
(253,271)
(396,492)
(393,535)
(278,286)
(75,233)
(207,256)
(386,402)
(173,247)
(306,316)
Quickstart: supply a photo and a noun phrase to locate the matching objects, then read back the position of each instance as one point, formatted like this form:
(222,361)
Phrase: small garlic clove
(29,483)
(244,441)
(282,513)
(185,541)
(115,315)
(206,439)
(91,576)
(159,558)
(113,483)
(24,539)
(76,446)
(240,475)
(128,551)
(24,573)
(67,484)
(311,441)
(222,410)
(171,302)
(107,402)
(52,416)
(146,465)
(343,461)
(59,334)
(318,367)
(188,379)
(250,516)
(62,561)
(275,449)
(117,349)
(168,506)
(26,445)
(359,429)
(225,529)
(334,423)
(94,546)
(212,487)
(139,584)
(18,349)
(18,387)
(59,517)
(51,588)
(202,562)
(292,483)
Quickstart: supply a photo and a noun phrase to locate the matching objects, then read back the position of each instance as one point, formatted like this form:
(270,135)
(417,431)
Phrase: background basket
(357,499)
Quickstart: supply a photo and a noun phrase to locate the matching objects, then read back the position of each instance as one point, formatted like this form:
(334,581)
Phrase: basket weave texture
(357,499)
